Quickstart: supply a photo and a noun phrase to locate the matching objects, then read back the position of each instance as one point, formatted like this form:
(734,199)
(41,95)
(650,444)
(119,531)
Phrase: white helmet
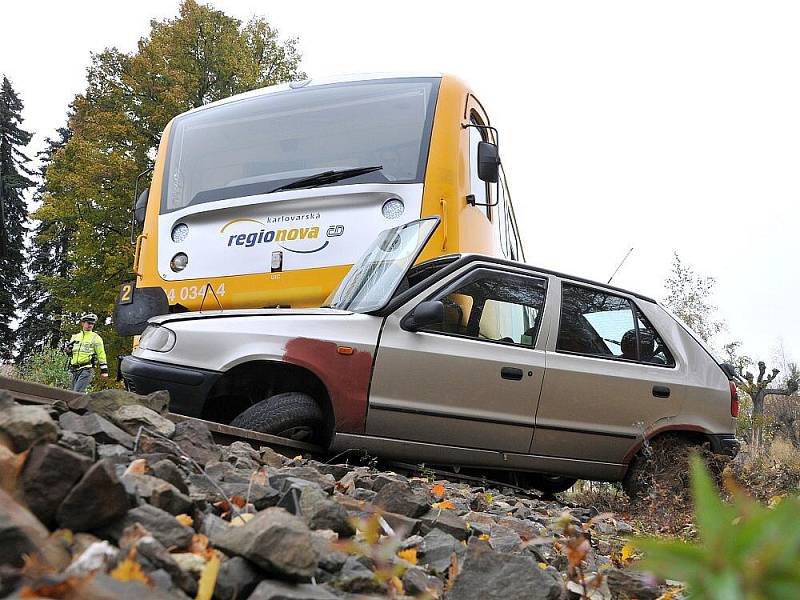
(90,317)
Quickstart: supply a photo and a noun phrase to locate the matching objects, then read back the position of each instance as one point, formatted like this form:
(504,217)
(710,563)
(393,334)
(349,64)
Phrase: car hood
(252,312)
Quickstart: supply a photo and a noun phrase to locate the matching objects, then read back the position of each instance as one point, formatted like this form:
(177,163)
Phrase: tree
(758,389)
(13,212)
(688,297)
(48,264)
(200,56)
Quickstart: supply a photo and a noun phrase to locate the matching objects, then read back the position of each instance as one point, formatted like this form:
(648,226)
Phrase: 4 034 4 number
(194,292)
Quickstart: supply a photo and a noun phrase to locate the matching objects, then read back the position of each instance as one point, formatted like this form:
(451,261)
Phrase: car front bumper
(188,387)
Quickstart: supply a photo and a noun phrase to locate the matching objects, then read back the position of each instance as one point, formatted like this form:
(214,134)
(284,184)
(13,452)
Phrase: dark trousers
(81,379)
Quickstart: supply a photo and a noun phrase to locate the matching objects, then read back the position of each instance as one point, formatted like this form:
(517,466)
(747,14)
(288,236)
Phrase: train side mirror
(140,208)
(488,162)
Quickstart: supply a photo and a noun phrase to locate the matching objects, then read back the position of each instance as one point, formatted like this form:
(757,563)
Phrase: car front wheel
(292,415)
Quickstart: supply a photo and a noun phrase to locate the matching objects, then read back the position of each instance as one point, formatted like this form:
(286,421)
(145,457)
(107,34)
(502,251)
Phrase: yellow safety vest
(87,345)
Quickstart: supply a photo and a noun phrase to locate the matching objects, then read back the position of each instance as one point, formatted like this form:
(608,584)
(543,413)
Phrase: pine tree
(48,264)
(13,211)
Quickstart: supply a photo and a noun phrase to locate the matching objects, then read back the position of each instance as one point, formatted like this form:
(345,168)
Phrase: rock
(24,425)
(631,584)
(271,458)
(105,402)
(237,578)
(99,556)
(321,512)
(101,429)
(49,473)
(444,520)
(155,553)
(326,482)
(331,559)
(194,440)
(96,500)
(503,539)
(116,453)
(437,548)
(335,471)
(397,497)
(278,590)
(157,492)
(416,582)
(77,442)
(381,479)
(162,525)
(242,456)
(276,541)
(357,578)
(154,445)
(489,575)
(189,563)
(22,534)
(131,417)
(168,471)
(105,587)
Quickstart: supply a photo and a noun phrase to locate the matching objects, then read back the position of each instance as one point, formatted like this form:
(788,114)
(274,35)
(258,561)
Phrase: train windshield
(256,145)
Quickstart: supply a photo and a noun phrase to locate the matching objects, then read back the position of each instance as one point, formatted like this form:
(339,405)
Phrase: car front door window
(493,306)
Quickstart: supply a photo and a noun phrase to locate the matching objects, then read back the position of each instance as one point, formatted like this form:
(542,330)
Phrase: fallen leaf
(208,579)
(409,555)
(627,552)
(241,519)
(185,519)
(238,501)
(438,490)
(484,537)
(199,545)
(129,570)
(444,504)
(396,584)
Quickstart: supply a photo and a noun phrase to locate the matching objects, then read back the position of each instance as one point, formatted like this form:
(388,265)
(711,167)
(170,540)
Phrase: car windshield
(371,282)
(255,145)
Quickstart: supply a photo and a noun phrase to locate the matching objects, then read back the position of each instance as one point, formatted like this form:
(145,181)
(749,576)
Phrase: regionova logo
(280,235)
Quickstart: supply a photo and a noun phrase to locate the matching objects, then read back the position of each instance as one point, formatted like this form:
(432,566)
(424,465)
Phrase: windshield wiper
(325,177)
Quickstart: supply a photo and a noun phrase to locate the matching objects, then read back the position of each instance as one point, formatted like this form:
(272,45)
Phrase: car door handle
(661,391)
(511,373)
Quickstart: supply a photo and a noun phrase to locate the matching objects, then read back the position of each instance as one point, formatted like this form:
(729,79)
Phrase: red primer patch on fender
(346,378)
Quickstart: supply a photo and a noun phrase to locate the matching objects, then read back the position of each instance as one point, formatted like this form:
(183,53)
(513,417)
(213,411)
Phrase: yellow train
(266,198)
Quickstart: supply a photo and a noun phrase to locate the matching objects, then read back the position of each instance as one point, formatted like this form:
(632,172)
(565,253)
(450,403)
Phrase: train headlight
(179,262)
(180,232)
(393,208)
(157,339)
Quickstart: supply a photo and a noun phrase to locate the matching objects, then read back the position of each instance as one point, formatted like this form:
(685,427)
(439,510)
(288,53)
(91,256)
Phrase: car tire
(292,415)
(547,484)
(662,462)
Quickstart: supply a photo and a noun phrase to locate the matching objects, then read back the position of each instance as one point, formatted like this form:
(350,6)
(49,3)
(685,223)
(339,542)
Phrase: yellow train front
(266,198)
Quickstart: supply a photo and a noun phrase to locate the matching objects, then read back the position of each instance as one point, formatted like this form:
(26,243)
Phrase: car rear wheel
(661,466)
(291,415)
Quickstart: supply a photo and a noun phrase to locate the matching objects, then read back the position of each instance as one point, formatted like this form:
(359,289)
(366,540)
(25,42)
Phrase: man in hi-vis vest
(86,348)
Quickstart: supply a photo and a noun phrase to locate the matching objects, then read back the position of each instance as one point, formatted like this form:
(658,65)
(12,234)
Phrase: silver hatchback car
(464,360)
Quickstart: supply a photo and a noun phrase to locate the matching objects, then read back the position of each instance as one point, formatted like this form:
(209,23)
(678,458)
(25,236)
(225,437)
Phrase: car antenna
(619,266)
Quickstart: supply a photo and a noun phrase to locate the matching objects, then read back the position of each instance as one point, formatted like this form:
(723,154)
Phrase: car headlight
(157,339)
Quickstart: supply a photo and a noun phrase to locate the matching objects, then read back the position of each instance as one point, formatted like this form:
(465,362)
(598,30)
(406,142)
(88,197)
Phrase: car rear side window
(493,306)
(601,324)
(652,348)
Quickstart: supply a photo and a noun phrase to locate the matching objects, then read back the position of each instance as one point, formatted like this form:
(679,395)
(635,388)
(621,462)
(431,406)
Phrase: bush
(47,366)
(746,550)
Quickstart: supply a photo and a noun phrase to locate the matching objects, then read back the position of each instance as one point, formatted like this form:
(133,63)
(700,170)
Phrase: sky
(666,127)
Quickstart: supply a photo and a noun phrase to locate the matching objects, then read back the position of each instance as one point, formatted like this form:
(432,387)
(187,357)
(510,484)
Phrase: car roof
(465,258)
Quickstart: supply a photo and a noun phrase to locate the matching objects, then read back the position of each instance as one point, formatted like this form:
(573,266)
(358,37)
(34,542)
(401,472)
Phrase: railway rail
(28,392)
